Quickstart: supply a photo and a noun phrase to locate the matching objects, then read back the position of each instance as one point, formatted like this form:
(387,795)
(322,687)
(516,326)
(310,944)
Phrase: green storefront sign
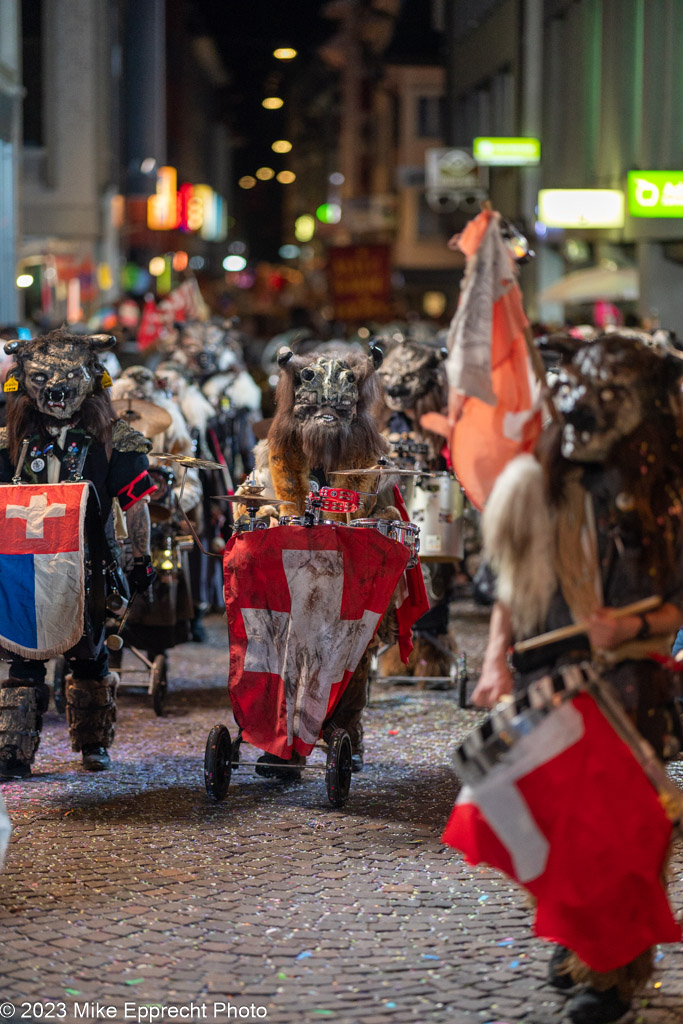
(655,193)
(506,151)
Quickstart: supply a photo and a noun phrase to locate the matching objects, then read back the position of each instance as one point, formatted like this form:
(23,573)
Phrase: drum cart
(457,678)
(222,753)
(222,756)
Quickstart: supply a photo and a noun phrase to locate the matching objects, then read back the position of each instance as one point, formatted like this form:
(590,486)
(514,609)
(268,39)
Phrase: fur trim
(518,543)
(629,979)
(126,439)
(4,438)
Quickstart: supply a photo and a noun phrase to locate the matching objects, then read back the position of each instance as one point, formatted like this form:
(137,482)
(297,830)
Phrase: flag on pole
(411,594)
(491,380)
(570,814)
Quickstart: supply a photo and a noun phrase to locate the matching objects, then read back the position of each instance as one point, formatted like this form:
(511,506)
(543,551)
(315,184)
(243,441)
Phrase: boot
(197,627)
(269,766)
(558,976)
(91,714)
(21,719)
(594,1007)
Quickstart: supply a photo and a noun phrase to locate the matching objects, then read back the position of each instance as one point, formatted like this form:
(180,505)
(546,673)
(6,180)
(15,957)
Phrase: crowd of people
(588,523)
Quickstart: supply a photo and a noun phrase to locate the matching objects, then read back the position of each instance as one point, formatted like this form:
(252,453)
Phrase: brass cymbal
(379,471)
(250,500)
(146,417)
(186,460)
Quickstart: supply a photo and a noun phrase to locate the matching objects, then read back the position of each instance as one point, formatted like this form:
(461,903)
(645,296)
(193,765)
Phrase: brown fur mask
(60,381)
(413,376)
(324,406)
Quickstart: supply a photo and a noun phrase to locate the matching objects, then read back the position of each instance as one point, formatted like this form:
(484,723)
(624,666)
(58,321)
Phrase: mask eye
(606,395)
(351,377)
(70,375)
(564,390)
(39,378)
(307,375)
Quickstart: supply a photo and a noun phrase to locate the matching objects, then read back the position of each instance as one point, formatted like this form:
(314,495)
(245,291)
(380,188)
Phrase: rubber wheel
(158,683)
(58,685)
(218,762)
(463,678)
(338,768)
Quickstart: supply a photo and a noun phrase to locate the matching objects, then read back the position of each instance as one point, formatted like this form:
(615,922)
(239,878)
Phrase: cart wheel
(58,683)
(338,768)
(158,684)
(217,762)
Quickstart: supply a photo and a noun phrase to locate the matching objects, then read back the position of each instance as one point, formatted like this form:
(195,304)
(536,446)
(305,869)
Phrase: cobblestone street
(131,889)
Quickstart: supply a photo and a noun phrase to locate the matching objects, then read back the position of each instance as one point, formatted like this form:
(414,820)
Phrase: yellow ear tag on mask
(106,380)
(11,384)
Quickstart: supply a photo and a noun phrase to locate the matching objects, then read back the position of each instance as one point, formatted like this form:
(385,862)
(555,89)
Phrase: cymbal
(250,500)
(186,460)
(379,471)
(146,417)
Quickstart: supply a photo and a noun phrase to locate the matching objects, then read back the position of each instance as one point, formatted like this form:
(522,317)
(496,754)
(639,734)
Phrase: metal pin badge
(38,465)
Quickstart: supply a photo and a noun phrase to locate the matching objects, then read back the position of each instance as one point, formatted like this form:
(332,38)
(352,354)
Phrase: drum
(305,521)
(161,500)
(395,529)
(486,746)
(436,504)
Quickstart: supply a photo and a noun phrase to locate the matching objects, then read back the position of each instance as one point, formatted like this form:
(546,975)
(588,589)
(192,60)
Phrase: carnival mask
(606,391)
(409,372)
(58,371)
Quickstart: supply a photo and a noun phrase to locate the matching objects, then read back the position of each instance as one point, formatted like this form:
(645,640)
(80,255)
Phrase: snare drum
(302,521)
(436,505)
(395,529)
(161,500)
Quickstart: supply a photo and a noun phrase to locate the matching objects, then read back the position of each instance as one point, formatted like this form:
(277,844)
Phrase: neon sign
(655,193)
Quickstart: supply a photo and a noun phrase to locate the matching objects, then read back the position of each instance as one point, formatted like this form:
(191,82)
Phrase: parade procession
(341,553)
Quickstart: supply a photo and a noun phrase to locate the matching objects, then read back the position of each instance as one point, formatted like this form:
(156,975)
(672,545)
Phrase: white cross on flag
(42,574)
(302,604)
(570,814)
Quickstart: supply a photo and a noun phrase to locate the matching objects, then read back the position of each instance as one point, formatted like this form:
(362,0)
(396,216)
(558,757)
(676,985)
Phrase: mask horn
(283,357)
(12,347)
(377,355)
(102,342)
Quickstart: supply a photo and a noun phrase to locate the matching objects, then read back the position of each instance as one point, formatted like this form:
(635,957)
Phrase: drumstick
(647,604)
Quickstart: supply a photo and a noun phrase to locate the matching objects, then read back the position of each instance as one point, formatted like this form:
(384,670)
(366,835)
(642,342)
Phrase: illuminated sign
(581,208)
(163,213)
(655,193)
(496,151)
(192,208)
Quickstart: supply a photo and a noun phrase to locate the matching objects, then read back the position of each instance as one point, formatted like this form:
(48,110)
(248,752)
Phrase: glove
(142,575)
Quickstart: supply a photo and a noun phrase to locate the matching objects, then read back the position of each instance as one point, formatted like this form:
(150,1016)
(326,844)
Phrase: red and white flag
(571,815)
(302,606)
(42,588)
(492,387)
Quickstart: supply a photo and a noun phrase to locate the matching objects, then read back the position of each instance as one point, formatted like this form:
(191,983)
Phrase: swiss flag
(152,325)
(571,815)
(303,603)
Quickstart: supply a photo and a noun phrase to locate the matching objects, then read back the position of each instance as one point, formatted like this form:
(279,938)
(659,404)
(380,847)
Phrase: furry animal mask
(410,373)
(607,389)
(58,371)
(323,407)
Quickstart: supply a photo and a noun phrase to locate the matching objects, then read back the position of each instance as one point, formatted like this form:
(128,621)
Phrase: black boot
(91,714)
(557,976)
(197,627)
(269,766)
(95,758)
(594,1007)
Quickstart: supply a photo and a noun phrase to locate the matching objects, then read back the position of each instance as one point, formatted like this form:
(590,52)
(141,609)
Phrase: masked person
(61,427)
(592,523)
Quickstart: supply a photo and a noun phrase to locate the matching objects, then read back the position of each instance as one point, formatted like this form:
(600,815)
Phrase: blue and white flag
(42,568)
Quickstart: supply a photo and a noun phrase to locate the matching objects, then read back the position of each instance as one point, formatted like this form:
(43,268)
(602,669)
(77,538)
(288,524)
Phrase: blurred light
(286,177)
(272,103)
(163,212)
(337,178)
(512,151)
(307,252)
(50,273)
(289,252)
(329,213)
(24,280)
(304,228)
(148,165)
(281,146)
(284,53)
(232,263)
(74,312)
(434,303)
(363,332)
(157,265)
(104,277)
(117,209)
(581,208)
(245,279)
(237,248)
(180,260)
(196,262)
(247,181)
(265,173)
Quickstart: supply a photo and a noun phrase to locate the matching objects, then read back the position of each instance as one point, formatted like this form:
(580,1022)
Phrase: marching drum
(436,505)
(161,500)
(407,534)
